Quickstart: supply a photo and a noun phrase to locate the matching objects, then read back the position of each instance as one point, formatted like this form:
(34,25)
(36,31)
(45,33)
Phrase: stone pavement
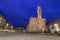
(27,36)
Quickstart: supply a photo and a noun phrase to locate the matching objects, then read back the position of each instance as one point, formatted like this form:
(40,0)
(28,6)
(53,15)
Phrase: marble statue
(56,27)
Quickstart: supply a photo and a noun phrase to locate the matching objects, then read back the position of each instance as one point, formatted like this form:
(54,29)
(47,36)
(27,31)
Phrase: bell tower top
(39,12)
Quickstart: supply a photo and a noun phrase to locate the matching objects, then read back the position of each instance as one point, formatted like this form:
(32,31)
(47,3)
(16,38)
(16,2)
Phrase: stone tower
(39,12)
(37,24)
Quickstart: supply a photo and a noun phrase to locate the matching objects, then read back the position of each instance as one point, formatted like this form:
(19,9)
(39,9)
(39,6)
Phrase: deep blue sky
(18,12)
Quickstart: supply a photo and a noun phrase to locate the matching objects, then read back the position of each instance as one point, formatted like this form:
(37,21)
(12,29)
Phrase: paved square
(27,36)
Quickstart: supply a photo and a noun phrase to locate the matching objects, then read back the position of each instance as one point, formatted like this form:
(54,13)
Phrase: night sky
(18,12)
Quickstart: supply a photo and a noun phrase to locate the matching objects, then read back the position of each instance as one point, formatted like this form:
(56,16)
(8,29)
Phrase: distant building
(2,21)
(4,24)
(19,29)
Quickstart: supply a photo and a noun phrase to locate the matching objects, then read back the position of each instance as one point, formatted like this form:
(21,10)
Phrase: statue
(55,27)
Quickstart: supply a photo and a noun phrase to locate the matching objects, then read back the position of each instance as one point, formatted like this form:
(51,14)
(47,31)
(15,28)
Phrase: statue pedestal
(36,25)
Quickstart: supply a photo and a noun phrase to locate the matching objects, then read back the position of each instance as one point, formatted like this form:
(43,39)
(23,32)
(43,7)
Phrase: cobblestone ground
(27,36)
